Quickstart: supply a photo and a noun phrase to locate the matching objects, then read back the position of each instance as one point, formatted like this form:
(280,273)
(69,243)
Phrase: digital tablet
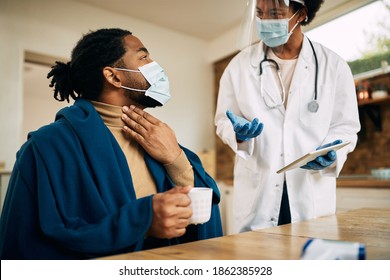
(310,156)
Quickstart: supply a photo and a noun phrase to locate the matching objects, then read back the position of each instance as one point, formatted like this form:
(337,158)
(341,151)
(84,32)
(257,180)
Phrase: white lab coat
(287,135)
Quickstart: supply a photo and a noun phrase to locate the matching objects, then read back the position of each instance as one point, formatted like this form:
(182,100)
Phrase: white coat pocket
(246,186)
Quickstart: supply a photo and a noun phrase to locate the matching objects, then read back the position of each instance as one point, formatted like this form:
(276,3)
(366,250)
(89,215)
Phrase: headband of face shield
(159,83)
(269,9)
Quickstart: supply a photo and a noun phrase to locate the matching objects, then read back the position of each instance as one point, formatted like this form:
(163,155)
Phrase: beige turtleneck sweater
(180,171)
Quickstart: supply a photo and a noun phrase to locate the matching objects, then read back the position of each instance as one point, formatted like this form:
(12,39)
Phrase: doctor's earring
(306,19)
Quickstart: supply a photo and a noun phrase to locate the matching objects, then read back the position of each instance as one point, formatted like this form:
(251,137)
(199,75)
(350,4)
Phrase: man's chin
(149,102)
(144,101)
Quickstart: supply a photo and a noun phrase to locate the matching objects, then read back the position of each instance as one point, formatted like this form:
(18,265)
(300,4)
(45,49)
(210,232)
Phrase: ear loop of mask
(134,71)
(135,89)
(292,29)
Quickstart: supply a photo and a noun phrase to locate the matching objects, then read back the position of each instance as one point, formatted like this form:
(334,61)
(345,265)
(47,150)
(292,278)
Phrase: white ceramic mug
(200,204)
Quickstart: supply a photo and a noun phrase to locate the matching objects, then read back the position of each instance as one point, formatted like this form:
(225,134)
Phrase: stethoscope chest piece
(313,106)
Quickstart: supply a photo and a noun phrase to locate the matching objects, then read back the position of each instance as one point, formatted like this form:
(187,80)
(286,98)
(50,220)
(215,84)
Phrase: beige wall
(53,28)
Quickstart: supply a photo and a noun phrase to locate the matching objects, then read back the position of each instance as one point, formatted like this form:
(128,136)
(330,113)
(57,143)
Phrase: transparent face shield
(247,33)
(264,10)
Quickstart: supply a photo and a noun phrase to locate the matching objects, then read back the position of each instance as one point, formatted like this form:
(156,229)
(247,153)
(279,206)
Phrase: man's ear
(111,76)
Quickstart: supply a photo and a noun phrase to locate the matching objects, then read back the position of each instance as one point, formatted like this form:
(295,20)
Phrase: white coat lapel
(305,66)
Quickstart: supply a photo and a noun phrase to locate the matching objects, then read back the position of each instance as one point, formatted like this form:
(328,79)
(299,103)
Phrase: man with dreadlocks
(106,177)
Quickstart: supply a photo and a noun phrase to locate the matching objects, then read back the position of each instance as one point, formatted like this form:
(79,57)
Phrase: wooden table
(368,226)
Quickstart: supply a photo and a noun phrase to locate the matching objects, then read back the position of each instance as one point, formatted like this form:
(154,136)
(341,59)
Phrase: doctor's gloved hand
(322,162)
(243,128)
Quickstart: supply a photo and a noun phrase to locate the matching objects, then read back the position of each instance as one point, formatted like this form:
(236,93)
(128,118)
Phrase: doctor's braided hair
(312,7)
(82,76)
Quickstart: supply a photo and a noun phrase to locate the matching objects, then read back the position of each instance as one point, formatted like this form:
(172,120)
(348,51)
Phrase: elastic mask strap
(128,70)
(292,29)
(293,15)
(135,89)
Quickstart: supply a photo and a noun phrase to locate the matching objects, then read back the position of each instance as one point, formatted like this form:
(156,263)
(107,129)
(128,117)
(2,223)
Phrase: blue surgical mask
(159,83)
(274,32)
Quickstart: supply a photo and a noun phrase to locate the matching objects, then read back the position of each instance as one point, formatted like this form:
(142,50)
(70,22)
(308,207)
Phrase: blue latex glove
(322,162)
(243,128)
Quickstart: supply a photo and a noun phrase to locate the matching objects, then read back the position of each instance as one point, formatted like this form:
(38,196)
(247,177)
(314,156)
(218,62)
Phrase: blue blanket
(71,194)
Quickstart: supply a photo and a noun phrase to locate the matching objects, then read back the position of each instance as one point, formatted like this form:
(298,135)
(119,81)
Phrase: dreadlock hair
(82,76)
(312,8)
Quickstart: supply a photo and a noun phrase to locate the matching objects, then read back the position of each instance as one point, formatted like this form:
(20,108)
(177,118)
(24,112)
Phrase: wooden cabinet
(373,147)
(372,89)
(372,81)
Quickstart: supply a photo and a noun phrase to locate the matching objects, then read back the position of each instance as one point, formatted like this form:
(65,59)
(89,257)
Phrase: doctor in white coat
(271,120)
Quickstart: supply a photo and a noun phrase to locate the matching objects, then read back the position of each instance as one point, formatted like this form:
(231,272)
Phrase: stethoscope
(313,104)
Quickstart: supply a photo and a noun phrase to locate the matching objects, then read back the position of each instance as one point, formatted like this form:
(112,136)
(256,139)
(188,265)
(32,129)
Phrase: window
(358,34)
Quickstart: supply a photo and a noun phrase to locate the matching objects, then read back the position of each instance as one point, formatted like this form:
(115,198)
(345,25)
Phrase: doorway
(39,105)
